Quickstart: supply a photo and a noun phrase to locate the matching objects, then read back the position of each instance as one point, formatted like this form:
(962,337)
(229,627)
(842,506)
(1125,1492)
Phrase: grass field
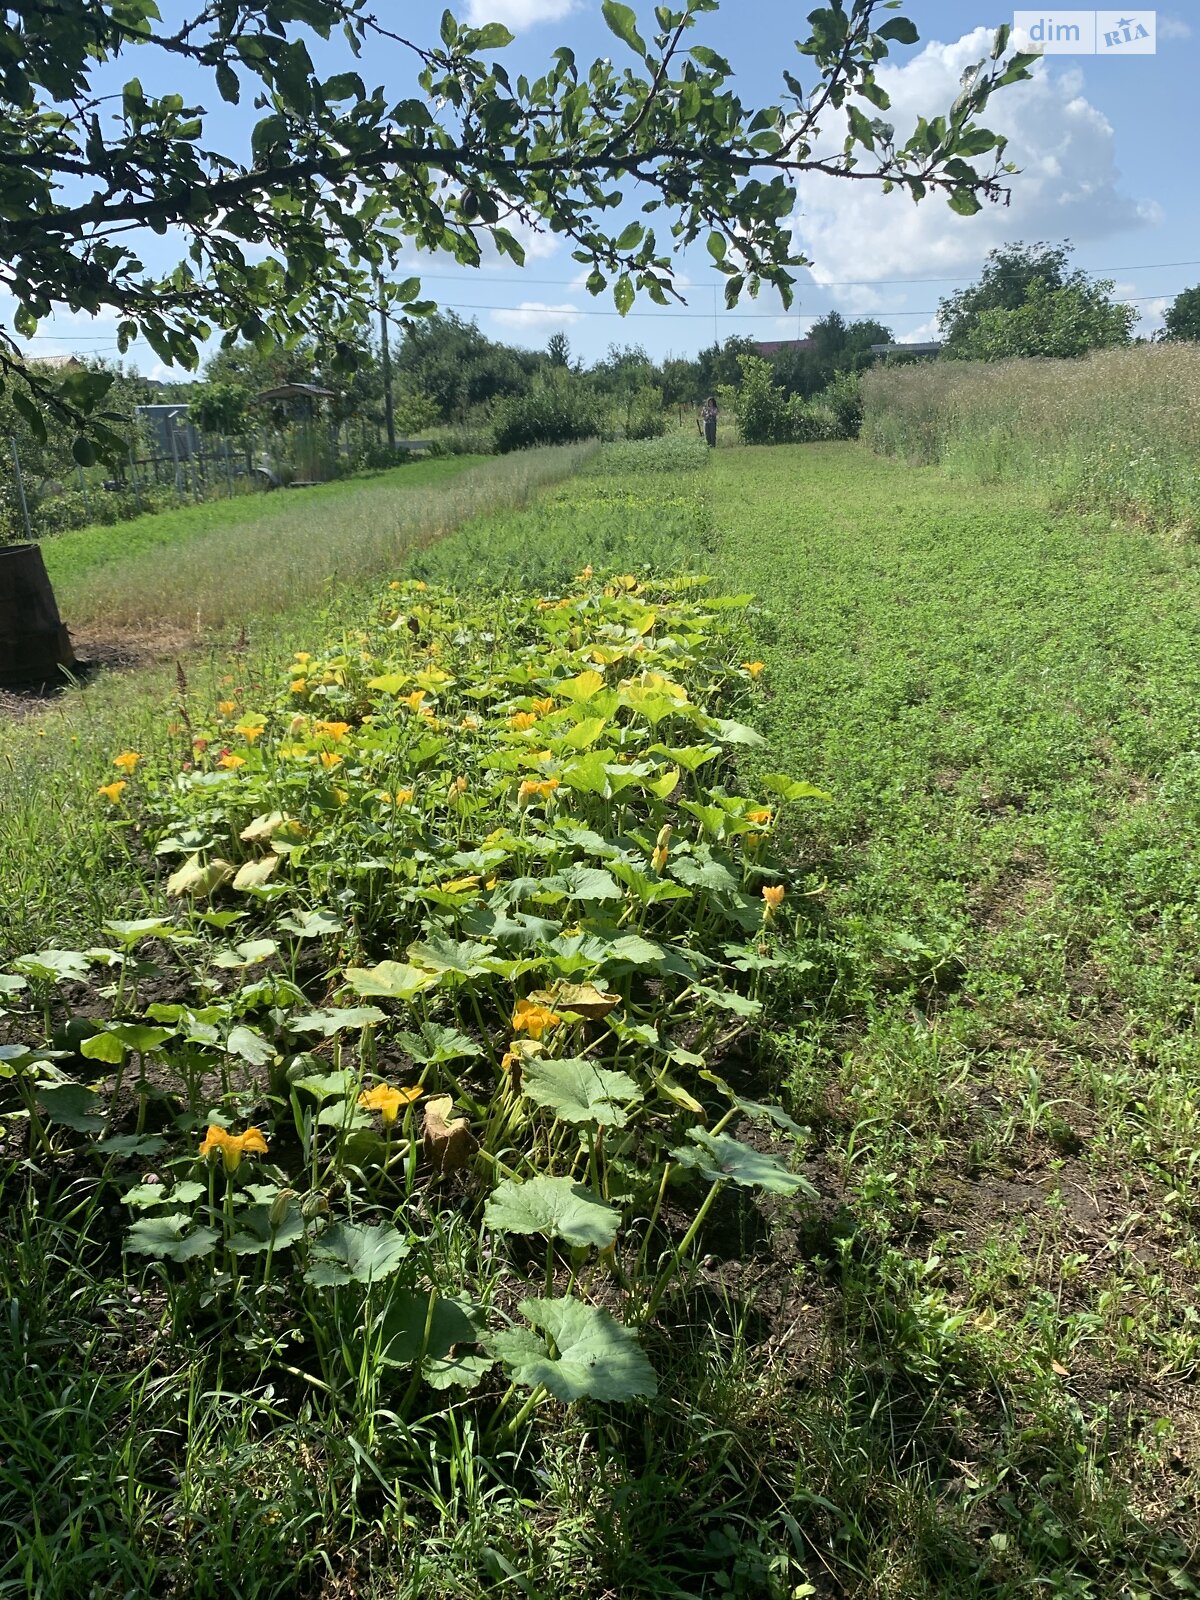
(211,566)
(74,556)
(967,1367)
(1117,431)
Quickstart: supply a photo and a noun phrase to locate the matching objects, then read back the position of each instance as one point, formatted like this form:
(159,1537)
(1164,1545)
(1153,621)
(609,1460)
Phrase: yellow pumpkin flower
(521,721)
(404,797)
(754,668)
(760,817)
(332,730)
(537,788)
(389,1102)
(414,700)
(662,846)
(231,1147)
(772,900)
(298,685)
(459,786)
(544,706)
(330,758)
(586,575)
(231,762)
(528,1017)
(226,707)
(303,657)
(112,792)
(252,733)
(127,760)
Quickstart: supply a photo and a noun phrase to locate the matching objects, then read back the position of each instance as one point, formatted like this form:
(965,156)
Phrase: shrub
(766,415)
(557,411)
(644,414)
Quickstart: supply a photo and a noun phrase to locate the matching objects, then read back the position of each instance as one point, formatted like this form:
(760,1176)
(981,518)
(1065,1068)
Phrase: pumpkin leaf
(582,1353)
(556,1207)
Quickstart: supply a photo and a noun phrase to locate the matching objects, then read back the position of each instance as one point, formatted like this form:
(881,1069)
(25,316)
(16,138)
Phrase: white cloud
(537,316)
(1173,28)
(518,14)
(1151,314)
(1069,185)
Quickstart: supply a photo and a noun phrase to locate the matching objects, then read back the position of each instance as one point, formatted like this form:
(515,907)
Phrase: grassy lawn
(995,1045)
(963,1368)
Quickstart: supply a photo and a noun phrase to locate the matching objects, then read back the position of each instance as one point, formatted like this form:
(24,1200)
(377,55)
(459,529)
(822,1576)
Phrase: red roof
(772,347)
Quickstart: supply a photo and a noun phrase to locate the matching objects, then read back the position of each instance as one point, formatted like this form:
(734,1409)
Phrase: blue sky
(1104,146)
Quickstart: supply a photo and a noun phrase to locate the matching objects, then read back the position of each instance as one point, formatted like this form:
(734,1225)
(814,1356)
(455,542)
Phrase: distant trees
(1182,320)
(1030,302)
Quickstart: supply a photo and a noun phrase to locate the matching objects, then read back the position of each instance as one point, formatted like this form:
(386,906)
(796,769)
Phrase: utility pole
(389,410)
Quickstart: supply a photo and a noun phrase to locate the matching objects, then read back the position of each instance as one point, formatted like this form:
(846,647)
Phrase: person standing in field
(708,421)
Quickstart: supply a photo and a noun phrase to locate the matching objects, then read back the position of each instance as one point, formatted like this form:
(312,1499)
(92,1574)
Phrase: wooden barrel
(34,645)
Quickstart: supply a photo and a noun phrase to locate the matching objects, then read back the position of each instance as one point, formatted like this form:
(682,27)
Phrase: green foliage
(1052,323)
(1182,319)
(1113,431)
(765,414)
(662,120)
(561,410)
(1027,303)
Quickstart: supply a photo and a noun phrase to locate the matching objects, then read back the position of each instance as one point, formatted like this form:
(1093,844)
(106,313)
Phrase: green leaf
(256,1234)
(435,1043)
(722,1159)
(492,36)
(436,1331)
(54,966)
(72,1105)
(250,1046)
(227,83)
(103,1047)
(624,293)
(332,1020)
(622,21)
(129,932)
(166,1239)
(577,1090)
(555,1207)
(792,788)
(585,1353)
(390,980)
(351,1252)
(310,925)
(900,29)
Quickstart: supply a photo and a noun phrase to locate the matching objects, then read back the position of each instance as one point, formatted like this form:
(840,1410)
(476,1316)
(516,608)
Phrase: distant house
(773,347)
(57,363)
(931,347)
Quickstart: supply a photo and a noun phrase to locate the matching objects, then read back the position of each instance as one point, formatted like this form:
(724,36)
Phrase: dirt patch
(99,651)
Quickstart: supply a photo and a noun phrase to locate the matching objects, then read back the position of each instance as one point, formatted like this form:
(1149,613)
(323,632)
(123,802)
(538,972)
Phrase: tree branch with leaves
(283,239)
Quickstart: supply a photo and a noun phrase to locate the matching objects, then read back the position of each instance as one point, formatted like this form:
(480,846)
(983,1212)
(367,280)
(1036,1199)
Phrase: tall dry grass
(1118,431)
(277,564)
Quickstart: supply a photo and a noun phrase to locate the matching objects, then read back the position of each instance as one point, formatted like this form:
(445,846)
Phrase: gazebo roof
(298,391)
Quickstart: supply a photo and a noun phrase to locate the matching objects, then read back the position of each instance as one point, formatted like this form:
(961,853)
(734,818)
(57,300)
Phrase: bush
(553,412)
(766,415)
(644,414)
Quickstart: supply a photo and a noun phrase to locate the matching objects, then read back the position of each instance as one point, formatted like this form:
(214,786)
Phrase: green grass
(996,1043)
(72,557)
(969,1369)
(1116,431)
(304,548)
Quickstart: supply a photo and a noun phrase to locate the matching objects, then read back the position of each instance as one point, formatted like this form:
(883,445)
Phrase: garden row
(471,915)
